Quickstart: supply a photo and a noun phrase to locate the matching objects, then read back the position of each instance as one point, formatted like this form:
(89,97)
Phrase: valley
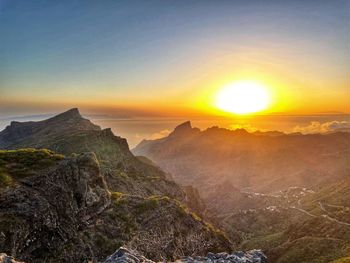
(272,191)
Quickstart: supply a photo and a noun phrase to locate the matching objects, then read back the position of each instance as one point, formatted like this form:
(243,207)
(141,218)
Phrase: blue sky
(127,53)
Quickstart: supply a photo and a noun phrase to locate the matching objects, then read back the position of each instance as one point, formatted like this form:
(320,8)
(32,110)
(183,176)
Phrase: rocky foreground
(123,255)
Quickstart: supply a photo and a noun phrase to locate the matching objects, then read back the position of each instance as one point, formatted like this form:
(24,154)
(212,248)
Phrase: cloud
(246,126)
(159,135)
(318,127)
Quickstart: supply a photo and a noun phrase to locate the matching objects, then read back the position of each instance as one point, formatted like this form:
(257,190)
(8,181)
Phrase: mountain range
(285,193)
(73,192)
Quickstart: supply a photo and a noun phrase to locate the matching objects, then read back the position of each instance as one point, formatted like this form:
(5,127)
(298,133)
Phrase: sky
(170,58)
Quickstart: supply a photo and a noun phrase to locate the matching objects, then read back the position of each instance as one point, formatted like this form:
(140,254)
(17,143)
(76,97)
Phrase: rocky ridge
(123,255)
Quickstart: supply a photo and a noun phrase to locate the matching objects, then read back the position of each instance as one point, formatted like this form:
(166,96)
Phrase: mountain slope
(84,206)
(63,211)
(286,194)
(297,225)
(69,133)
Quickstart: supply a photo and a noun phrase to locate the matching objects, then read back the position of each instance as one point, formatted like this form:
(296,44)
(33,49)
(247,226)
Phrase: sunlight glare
(243,97)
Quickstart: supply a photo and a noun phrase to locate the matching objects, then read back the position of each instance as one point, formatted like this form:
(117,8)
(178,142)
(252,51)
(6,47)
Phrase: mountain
(286,194)
(263,162)
(69,133)
(86,194)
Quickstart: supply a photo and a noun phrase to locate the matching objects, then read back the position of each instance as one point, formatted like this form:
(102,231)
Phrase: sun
(243,97)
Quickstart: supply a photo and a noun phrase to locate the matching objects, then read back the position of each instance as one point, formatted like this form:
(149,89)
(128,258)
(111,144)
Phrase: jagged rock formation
(123,255)
(7,259)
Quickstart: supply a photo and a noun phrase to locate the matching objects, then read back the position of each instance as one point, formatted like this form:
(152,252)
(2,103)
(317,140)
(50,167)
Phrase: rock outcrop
(42,214)
(123,255)
(159,227)
(7,259)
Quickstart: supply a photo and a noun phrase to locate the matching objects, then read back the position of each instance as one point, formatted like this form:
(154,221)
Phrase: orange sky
(162,60)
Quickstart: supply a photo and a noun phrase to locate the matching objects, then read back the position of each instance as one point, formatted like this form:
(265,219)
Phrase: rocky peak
(69,114)
(36,134)
(183,128)
(72,119)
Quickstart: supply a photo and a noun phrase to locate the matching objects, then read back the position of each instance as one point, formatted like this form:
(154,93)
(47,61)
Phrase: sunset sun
(243,97)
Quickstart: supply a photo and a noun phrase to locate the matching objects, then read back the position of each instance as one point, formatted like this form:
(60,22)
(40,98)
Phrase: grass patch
(16,164)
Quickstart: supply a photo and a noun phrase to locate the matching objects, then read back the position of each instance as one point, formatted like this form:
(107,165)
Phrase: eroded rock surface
(123,255)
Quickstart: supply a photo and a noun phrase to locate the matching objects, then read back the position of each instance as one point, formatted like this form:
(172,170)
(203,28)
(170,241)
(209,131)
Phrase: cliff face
(41,215)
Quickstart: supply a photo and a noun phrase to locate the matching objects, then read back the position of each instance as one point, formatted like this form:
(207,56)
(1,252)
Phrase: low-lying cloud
(326,127)
(159,135)
(245,126)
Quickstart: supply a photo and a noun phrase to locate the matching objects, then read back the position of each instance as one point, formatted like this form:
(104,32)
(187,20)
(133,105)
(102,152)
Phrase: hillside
(296,225)
(61,210)
(286,194)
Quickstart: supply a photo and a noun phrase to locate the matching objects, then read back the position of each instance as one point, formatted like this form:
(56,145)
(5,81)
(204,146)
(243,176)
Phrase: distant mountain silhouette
(262,161)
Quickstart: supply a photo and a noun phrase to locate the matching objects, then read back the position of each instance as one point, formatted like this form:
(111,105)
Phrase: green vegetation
(146,160)
(116,196)
(5,179)
(150,203)
(312,250)
(272,240)
(16,164)
(342,260)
